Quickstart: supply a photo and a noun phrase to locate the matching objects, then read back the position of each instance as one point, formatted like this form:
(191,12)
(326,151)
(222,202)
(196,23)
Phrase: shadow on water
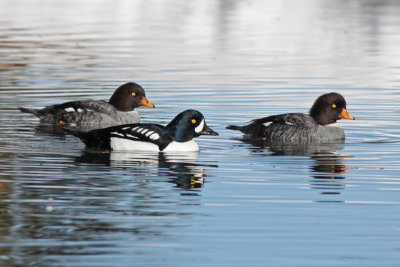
(328,167)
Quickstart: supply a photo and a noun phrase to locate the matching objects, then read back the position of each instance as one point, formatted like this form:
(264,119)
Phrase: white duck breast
(182,146)
(122,144)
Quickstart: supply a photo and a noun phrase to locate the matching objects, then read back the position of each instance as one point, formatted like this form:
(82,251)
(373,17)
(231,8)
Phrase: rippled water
(233,203)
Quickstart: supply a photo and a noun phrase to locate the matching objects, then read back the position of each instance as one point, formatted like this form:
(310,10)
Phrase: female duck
(319,126)
(97,113)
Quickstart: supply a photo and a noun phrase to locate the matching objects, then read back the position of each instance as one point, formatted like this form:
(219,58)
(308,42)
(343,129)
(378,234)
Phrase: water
(233,203)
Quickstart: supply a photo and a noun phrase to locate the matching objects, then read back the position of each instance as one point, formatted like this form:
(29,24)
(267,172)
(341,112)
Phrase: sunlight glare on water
(233,203)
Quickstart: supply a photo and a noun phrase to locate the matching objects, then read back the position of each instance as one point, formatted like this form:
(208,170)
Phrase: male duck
(176,136)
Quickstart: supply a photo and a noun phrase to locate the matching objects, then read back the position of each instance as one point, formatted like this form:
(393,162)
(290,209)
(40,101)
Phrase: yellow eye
(194,121)
(133,94)
(333,105)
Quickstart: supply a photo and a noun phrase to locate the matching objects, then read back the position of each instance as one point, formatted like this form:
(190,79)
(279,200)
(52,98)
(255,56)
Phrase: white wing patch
(154,136)
(119,134)
(199,127)
(132,136)
(290,123)
(69,109)
(150,134)
(140,130)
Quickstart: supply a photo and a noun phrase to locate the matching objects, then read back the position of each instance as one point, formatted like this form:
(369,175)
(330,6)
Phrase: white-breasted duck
(176,136)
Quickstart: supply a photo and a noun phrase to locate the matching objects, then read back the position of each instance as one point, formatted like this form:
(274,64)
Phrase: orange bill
(146,103)
(345,115)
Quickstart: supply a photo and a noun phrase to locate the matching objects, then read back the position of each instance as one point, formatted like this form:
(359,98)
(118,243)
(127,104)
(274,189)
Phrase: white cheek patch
(69,109)
(199,127)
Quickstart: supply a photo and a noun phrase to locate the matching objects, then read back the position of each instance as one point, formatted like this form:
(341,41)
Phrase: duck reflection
(328,168)
(57,129)
(328,171)
(179,168)
(49,129)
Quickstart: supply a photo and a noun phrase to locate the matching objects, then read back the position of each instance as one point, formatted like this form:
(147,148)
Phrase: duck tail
(31,111)
(253,129)
(96,139)
(235,127)
(246,129)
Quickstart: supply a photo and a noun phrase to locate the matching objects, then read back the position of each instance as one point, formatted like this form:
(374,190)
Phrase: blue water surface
(233,203)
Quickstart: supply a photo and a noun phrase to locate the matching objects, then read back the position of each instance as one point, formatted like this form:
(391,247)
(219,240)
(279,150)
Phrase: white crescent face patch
(199,127)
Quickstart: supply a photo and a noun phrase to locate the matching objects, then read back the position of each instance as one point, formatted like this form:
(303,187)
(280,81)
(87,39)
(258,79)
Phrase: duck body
(319,126)
(292,128)
(176,136)
(97,113)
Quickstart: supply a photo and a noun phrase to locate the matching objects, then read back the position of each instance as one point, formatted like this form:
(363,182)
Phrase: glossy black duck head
(187,125)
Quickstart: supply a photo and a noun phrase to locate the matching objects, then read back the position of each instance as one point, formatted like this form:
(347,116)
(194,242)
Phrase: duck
(177,136)
(319,126)
(120,109)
